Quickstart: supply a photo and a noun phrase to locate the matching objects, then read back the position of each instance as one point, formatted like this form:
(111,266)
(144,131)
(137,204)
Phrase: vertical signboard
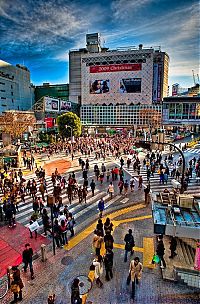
(159,82)
(155,82)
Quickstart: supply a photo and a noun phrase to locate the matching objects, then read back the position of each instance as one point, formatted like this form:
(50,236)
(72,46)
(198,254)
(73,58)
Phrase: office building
(15,87)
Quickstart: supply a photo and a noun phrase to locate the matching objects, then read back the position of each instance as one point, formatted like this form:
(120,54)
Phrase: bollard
(43,252)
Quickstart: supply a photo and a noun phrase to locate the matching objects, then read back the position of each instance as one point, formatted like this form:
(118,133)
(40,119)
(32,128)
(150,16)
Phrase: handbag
(15,288)
(128,280)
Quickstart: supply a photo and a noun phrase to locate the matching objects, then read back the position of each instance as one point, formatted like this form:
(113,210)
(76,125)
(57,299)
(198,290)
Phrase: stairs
(181,267)
(191,278)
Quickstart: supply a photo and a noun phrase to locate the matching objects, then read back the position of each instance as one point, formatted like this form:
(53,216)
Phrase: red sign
(49,122)
(116,67)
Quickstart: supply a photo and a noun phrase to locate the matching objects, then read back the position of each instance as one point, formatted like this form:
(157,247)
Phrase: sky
(40,33)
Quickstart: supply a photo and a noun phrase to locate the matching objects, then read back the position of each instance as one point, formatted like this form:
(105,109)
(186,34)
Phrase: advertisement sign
(49,121)
(116,67)
(175,89)
(159,82)
(155,82)
(51,104)
(65,105)
(100,86)
(130,85)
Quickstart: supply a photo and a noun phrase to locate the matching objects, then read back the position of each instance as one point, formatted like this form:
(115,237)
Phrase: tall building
(52,90)
(15,87)
(114,86)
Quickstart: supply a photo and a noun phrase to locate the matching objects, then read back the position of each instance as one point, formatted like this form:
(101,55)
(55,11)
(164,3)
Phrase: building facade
(117,81)
(60,91)
(182,111)
(15,87)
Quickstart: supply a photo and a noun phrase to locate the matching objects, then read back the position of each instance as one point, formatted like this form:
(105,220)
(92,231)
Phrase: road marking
(148,245)
(125,200)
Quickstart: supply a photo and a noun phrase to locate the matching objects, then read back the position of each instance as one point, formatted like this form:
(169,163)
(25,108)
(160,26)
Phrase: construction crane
(193,77)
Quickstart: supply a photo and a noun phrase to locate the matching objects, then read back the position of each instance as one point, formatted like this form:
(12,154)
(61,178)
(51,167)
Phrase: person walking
(135,271)
(130,243)
(160,250)
(126,185)
(92,186)
(84,193)
(97,242)
(101,207)
(108,240)
(57,233)
(132,183)
(111,189)
(63,229)
(108,262)
(140,181)
(16,285)
(27,258)
(98,263)
(75,293)
(173,245)
(121,186)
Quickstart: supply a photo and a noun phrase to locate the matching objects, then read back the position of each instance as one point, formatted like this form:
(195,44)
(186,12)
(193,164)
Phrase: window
(12,93)
(2,83)
(11,86)
(2,90)
(3,97)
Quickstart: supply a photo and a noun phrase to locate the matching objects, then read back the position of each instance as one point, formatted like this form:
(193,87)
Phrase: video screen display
(130,85)
(99,86)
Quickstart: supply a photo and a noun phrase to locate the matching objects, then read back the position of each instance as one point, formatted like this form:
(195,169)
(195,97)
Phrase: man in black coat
(130,243)
(27,258)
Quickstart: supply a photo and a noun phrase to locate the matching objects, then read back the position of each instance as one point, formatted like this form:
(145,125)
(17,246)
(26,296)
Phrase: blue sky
(39,33)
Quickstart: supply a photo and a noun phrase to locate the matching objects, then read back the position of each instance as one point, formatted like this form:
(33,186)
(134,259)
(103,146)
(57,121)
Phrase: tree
(16,122)
(69,119)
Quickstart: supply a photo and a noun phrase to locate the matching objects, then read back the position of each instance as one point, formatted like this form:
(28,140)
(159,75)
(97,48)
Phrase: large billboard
(99,86)
(51,104)
(130,85)
(65,106)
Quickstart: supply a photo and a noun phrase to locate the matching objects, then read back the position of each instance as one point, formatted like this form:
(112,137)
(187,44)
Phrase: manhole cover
(67,260)
(84,284)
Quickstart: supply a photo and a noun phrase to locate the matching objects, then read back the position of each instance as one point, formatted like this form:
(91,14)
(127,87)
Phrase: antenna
(193,77)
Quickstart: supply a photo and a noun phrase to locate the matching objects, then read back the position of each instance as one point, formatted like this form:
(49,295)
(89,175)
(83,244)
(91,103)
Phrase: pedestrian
(108,262)
(108,225)
(63,229)
(108,240)
(99,227)
(135,271)
(101,177)
(108,175)
(160,250)
(147,195)
(84,193)
(130,243)
(111,189)
(140,181)
(121,186)
(132,183)
(33,227)
(46,221)
(16,285)
(57,233)
(126,185)
(71,223)
(80,195)
(97,242)
(92,186)
(173,245)
(75,293)
(27,258)
(101,206)
(98,263)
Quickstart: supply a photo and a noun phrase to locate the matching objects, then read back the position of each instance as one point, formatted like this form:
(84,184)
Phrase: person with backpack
(108,262)
(130,243)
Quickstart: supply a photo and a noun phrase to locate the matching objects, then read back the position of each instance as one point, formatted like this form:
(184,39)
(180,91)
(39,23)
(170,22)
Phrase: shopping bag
(34,226)
(155,259)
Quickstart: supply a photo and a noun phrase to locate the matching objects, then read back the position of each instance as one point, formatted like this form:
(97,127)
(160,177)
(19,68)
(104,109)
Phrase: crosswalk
(79,211)
(193,151)
(193,186)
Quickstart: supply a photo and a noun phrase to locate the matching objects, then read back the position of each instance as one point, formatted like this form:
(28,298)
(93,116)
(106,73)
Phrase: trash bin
(43,252)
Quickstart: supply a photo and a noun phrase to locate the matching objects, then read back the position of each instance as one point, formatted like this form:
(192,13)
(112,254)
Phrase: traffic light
(143,144)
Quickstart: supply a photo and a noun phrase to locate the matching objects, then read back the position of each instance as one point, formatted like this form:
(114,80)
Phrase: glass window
(179,110)
(192,111)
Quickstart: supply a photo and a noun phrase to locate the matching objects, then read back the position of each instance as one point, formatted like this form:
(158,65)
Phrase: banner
(49,122)
(116,67)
